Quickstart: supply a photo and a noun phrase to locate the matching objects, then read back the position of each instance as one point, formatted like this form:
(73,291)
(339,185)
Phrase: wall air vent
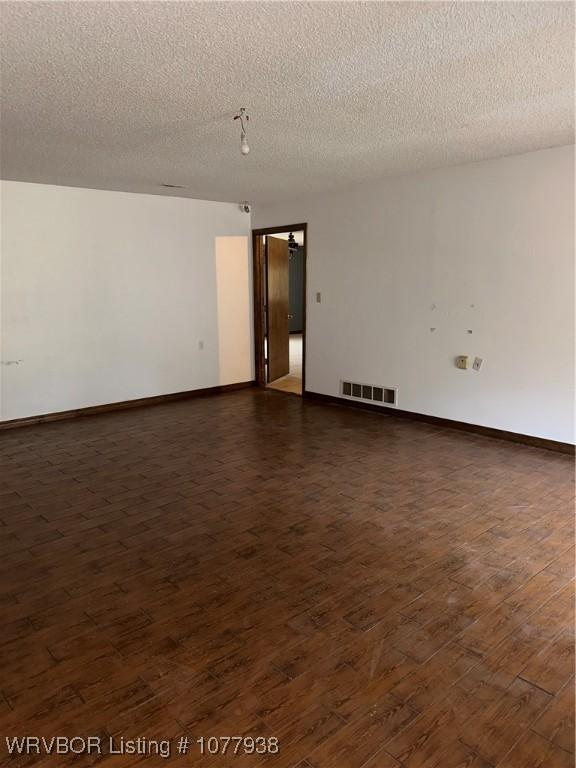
(369,393)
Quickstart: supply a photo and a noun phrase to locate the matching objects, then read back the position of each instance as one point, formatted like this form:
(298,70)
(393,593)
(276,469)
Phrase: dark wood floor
(371,591)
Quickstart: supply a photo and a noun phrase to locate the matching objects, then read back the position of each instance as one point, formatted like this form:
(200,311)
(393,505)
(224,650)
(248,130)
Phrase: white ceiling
(128,95)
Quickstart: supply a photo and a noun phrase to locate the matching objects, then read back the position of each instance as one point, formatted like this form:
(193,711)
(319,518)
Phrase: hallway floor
(372,592)
(293,381)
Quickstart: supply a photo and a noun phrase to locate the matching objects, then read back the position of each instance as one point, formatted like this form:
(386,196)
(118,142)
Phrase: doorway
(280,307)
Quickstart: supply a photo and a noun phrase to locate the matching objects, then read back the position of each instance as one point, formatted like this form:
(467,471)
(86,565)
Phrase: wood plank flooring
(373,592)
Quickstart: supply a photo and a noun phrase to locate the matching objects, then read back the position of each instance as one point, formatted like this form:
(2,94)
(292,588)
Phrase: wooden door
(278,308)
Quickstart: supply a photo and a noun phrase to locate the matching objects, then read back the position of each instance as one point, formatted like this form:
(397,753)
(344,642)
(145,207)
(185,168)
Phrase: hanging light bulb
(243,117)
(244,146)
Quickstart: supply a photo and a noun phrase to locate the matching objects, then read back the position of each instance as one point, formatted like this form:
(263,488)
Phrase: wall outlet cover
(477,364)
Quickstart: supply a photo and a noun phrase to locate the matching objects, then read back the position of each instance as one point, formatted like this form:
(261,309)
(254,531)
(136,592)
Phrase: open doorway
(280,307)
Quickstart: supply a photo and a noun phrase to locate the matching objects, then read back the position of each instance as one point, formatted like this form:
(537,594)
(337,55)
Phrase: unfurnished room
(287,353)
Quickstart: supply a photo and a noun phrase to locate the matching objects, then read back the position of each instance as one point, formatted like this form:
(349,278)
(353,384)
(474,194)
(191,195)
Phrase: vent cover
(369,392)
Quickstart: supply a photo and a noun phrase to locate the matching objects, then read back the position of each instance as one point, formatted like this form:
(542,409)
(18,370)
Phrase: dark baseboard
(500,434)
(93,410)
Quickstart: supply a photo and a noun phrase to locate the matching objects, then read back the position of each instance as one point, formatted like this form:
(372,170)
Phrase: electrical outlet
(462,362)
(477,364)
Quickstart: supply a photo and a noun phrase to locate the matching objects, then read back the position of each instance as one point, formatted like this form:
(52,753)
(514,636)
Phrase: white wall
(106,296)
(486,247)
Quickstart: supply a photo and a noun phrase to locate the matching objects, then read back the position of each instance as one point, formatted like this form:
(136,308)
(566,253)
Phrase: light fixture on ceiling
(243,117)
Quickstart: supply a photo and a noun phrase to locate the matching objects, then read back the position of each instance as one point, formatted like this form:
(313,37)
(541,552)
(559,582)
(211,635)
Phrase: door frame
(259,290)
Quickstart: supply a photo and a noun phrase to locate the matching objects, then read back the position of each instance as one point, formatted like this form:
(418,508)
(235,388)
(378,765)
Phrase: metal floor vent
(376,395)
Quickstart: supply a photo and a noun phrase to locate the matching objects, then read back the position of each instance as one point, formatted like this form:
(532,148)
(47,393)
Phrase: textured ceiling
(128,95)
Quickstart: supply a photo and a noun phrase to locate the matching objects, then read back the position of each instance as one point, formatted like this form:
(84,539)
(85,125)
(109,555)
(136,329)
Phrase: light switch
(318,297)
(462,362)
(477,364)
